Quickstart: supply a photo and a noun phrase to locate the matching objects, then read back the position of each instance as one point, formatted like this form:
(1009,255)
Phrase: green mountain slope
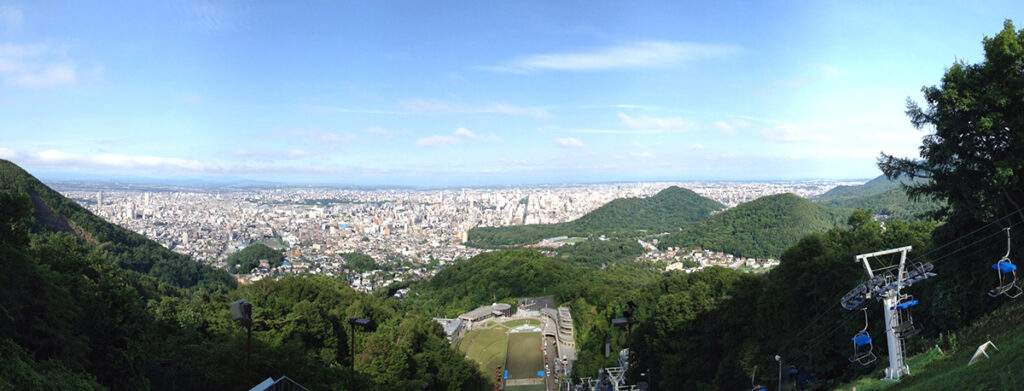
(882,196)
(879,185)
(52,212)
(72,319)
(670,209)
(764,227)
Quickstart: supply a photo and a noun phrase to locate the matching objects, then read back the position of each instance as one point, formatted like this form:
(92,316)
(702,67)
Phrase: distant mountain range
(669,210)
(882,196)
(761,228)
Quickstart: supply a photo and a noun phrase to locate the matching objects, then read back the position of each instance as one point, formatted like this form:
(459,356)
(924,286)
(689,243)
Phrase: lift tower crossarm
(867,267)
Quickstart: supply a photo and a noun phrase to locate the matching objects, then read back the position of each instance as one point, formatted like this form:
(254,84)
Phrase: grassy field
(485,346)
(949,371)
(524,355)
(519,322)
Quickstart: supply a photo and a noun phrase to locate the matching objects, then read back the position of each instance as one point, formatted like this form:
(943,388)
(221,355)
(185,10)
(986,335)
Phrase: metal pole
(629,352)
(248,351)
(779,359)
(352,357)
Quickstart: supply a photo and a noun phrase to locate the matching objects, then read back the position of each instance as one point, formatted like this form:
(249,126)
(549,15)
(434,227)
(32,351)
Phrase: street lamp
(779,359)
(241,311)
(627,321)
(364,324)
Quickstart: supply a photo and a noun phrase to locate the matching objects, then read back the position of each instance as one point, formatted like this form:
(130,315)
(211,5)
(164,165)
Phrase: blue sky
(469,93)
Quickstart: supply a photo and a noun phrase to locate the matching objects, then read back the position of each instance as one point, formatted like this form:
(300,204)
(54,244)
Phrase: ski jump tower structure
(884,284)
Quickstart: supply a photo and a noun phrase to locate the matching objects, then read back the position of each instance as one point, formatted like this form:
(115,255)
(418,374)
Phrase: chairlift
(905,329)
(754,387)
(1007,272)
(862,348)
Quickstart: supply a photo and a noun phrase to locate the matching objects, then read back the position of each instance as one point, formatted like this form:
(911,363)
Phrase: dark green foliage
(596,252)
(360,262)
(883,196)
(668,210)
(70,318)
(52,212)
(761,228)
(250,257)
(706,330)
(493,276)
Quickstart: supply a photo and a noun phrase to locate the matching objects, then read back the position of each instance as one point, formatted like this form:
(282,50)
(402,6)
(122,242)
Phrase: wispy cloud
(724,128)
(698,147)
(641,54)
(437,141)
(652,122)
(53,157)
(461,134)
(322,137)
(792,134)
(213,16)
(569,142)
(829,70)
(446,107)
(289,154)
(39,65)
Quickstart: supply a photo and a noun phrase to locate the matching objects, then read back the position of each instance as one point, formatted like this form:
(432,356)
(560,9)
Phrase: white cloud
(290,154)
(445,107)
(569,142)
(641,54)
(698,147)
(463,132)
(652,122)
(52,157)
(642,155)
(36,65)
(437,141)
(724,128)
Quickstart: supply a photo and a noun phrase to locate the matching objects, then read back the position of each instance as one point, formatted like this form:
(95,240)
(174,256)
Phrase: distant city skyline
(469,94)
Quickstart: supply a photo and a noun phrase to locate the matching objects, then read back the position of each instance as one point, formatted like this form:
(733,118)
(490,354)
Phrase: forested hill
(669,210)
(764,227)
(879,185)
(72,319)
(882,196)
(52,212)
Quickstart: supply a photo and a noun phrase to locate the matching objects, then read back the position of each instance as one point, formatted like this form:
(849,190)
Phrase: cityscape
(411,233)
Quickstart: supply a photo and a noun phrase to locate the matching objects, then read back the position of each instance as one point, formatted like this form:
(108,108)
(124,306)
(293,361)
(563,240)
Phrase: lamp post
(779,359)
(363,324)
(627,321)
(241,311)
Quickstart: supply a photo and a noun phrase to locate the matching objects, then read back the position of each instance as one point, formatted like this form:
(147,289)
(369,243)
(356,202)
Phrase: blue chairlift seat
(1007,279)
(905,305)
(1004,267)
(861,339)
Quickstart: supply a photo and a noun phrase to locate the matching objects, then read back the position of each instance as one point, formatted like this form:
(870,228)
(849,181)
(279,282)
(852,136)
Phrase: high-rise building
(99,198)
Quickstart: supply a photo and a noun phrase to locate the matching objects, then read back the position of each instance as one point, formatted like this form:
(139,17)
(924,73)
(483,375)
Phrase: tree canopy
(974,152)
(250,257)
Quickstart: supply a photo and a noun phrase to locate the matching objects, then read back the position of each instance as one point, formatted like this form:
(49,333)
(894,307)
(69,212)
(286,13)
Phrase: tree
(975,157)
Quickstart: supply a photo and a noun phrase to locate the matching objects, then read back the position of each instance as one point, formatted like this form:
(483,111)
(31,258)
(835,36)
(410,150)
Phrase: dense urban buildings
(413,231)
